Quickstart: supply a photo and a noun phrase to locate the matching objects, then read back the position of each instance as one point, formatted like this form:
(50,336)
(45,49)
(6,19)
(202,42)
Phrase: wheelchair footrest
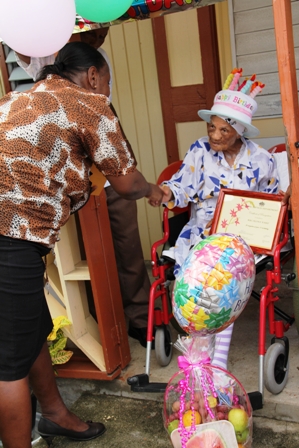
(256,400)
(140,383)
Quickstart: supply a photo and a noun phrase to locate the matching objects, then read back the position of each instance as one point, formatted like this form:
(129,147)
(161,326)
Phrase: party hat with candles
(236,102)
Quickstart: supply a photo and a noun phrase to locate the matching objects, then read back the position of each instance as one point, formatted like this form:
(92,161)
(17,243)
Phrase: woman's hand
(155,195)
(134,186)
(166,196)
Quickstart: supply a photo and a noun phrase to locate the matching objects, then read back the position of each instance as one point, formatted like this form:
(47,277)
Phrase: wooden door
(181,103)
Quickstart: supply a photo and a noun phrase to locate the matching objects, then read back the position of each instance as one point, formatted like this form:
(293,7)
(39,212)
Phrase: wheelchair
(273,363)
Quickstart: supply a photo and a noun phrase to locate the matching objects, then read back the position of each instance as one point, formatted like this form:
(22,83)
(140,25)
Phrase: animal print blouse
(49,137)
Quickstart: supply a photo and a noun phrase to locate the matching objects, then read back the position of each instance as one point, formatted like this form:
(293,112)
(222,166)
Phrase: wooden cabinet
(100,336)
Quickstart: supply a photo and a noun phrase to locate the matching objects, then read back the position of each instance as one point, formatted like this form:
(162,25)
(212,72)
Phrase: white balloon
(37,27)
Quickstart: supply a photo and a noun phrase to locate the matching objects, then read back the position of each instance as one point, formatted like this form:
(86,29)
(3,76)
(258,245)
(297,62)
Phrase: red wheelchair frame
(273,363)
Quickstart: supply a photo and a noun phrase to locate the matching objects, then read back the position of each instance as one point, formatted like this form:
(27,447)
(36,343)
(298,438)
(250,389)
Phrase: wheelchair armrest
(164,237)
(261,265)
(171,229)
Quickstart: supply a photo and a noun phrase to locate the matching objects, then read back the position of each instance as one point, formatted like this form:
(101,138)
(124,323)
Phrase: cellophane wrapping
(200,393)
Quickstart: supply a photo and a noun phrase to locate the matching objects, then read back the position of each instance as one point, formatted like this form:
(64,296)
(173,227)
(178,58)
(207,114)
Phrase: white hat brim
(251,131)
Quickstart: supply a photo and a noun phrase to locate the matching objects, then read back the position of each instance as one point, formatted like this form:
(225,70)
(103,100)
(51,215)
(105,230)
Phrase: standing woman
(133,278)
(50,136)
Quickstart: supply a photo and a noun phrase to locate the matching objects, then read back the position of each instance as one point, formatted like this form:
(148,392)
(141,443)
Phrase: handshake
(159,194)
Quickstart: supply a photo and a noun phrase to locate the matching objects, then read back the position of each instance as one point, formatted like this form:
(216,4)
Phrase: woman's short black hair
(74,57)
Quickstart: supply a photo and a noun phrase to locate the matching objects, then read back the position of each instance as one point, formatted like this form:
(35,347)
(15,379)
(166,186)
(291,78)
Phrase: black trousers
(132,273)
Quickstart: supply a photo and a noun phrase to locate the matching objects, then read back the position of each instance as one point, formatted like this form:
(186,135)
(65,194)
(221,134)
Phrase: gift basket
(200,397)
(205,406)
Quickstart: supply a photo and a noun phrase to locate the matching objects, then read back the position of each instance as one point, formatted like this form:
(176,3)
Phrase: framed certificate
(257,217)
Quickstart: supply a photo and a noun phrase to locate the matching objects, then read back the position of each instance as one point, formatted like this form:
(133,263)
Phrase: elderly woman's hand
(209,224)
(287,197)
(167,193)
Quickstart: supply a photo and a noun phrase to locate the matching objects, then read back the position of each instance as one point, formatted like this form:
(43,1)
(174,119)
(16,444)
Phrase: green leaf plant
(57,342)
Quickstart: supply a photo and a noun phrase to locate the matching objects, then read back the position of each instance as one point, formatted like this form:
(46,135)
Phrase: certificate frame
(255,216)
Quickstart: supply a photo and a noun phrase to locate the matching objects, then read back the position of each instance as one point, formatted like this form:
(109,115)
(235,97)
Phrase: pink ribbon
(207,386)
(243,110)
(184,364)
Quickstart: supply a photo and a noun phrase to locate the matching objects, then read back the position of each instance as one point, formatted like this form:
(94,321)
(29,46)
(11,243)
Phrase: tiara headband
(236,102)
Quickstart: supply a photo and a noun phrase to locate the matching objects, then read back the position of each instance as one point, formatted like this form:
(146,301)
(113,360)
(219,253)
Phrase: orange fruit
(190,416)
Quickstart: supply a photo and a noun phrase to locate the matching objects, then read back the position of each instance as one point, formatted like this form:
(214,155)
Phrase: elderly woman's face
(222,136)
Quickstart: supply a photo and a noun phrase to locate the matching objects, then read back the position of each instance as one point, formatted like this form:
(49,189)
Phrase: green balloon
(102,10)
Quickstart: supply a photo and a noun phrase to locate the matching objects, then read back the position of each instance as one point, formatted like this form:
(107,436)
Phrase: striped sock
(222,344)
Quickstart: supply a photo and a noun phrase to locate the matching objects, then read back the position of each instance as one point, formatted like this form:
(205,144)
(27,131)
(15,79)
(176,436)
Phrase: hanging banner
(146,9)
(143,9)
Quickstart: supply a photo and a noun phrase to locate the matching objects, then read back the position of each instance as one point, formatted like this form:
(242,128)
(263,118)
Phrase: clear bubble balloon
(37,27)
(102,10)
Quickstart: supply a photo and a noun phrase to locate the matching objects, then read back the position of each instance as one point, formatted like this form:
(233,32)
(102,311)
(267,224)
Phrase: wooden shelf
(101,338)
(81,272)
(81,367)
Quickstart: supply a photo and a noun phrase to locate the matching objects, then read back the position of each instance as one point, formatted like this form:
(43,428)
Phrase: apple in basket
(174,424)
(242,436)
(239,420)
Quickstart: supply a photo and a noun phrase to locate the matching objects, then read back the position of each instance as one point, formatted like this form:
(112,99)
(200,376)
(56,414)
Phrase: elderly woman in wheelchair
(226,158)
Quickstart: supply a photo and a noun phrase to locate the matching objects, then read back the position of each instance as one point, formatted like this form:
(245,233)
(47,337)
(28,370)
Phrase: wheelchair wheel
(296,298)
(274,373)
(163,345)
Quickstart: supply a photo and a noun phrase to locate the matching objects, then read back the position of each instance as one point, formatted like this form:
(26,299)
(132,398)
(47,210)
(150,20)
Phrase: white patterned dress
(203,173)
